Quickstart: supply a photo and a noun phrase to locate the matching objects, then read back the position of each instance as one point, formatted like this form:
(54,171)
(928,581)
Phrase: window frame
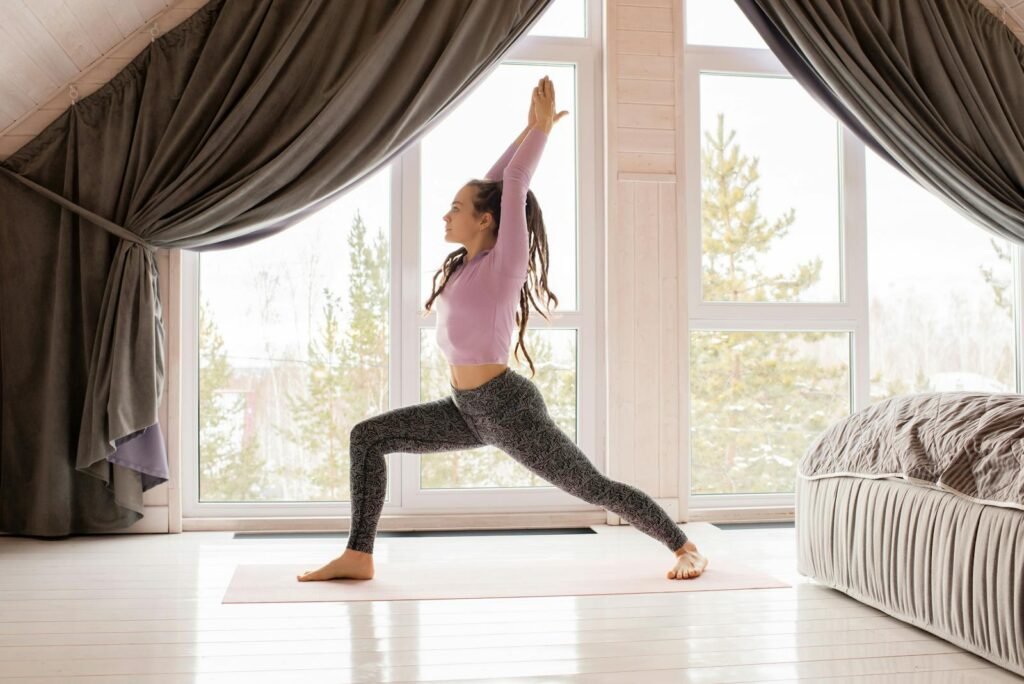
(404,496)
(850,314)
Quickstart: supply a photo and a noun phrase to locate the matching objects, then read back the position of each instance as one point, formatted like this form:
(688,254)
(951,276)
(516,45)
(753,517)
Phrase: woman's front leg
(430,427)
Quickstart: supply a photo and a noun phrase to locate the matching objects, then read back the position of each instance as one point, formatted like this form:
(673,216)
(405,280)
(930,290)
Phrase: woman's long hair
(488,199)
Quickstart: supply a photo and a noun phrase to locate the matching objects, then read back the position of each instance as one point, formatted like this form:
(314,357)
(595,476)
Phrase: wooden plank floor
(142,609)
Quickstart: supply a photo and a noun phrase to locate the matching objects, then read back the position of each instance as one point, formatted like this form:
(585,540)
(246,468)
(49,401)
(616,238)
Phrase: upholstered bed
(915,506)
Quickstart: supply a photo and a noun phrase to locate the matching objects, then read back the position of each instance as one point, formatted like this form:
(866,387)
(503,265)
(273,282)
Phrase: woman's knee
(363,433)
(357,432)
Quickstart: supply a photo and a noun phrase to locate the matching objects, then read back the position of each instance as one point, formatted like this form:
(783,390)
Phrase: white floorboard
(146,609)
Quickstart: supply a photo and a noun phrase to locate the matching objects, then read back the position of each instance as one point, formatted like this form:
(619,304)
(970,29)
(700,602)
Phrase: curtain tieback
(103,223)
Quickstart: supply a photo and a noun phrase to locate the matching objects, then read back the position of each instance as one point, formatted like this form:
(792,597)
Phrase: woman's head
(474,219)
(470,221)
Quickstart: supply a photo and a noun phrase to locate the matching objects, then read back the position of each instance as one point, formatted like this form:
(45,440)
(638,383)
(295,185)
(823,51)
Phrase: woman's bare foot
(351,564)
(689,562)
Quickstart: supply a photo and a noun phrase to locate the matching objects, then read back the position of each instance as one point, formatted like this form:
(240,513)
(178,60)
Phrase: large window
(769,192)
(300,336)
(942,302)
(821,279)
(718,23)
(293,351)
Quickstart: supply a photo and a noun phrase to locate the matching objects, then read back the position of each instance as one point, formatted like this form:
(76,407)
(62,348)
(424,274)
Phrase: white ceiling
(47,46)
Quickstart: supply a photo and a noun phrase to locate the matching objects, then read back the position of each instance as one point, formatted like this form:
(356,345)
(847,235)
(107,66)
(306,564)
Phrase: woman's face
(460,224)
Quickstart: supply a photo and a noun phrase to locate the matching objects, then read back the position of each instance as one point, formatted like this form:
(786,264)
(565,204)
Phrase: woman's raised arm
(511,250)
(499,166)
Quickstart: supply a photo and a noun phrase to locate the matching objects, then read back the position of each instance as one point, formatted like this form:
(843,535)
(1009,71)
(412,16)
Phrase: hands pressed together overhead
(542,106)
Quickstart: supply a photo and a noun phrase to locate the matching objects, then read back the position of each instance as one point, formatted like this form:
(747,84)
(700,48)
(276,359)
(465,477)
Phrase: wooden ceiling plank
(59,103)
(1017,13)
(175,16)
(131,47)
(28,34)
(150,8)
(6,118)
(62,24)
(93,16)
(21,74)
(125,15)
(35,123)
(13,103)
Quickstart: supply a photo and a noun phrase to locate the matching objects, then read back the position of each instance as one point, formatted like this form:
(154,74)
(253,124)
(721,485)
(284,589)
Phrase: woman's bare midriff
(471,377)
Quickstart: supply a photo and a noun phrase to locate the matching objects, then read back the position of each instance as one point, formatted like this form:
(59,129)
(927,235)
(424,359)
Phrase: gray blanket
(968,443)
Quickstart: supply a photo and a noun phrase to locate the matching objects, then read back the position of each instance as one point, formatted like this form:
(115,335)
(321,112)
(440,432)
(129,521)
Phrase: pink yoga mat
(484,578)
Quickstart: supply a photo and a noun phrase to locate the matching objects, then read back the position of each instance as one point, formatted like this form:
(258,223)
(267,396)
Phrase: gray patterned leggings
(508,412)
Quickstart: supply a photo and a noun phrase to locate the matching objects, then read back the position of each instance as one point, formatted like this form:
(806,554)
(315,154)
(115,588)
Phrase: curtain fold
(239,122)
(935,86)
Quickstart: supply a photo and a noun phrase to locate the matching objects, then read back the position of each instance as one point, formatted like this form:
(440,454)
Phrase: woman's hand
(542,111)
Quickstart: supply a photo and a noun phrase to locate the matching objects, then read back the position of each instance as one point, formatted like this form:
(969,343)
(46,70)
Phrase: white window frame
(849,315)
(406,321)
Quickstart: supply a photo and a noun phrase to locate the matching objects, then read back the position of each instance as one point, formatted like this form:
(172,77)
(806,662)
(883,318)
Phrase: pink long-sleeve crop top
(476,311)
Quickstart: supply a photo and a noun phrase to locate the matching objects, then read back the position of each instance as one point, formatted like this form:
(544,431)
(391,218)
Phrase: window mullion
(854,271)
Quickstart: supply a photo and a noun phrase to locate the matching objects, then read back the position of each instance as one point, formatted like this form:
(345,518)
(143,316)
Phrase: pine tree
(347,377)
(227,472)
(1000,286)
(734,235)
(758,398)
(316,426)
(366,351)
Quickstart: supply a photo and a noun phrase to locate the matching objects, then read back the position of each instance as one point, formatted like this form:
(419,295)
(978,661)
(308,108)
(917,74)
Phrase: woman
(501,228)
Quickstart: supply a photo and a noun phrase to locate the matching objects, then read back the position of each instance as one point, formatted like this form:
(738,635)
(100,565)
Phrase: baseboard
(743,514)
(465,521)
(157,522)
